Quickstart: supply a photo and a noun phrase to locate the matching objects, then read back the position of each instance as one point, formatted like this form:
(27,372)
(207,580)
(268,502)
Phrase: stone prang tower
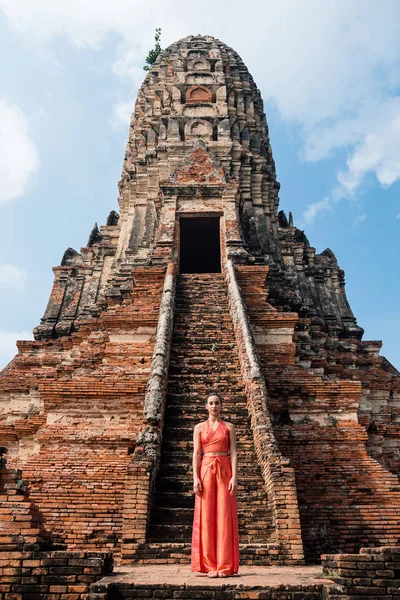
(198,283)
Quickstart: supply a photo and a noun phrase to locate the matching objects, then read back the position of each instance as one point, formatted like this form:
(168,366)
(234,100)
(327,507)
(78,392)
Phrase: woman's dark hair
(214,393)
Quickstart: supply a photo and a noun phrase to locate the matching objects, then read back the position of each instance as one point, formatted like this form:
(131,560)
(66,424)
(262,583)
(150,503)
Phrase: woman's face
(213,406)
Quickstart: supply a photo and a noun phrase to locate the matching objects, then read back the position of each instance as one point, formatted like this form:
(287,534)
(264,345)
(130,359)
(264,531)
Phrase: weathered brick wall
(328,340)
(142,470)
(277,471)
(20,522)
(72,421)
(379,409)
(346,499)
(373,573)
(27,569)
(57,575)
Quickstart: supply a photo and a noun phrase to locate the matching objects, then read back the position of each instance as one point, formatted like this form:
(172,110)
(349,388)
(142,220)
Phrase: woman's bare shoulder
(199,426)
(230,426)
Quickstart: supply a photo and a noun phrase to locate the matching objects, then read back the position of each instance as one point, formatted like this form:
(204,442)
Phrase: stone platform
(177,581)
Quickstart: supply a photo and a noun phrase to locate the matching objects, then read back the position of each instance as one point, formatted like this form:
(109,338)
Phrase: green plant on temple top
(154,52)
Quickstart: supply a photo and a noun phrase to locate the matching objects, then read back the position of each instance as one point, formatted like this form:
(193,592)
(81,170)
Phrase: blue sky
(329,74)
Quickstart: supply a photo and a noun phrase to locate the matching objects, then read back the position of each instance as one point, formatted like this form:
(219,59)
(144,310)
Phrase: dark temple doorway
(200,250)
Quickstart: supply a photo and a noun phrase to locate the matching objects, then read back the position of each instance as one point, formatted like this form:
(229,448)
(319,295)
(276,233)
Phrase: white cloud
(121,115)
(12,277)
(377,151)
(316,208)
(19,157)
(360,219)
(332,68)
(8,348)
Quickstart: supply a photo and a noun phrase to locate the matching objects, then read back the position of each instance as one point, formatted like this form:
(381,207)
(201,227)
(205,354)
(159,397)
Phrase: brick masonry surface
(373,573)
(96,414)
(56,575)
(176,581)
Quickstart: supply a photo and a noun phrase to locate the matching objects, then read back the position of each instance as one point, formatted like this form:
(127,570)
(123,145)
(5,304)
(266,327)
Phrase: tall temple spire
(197,109)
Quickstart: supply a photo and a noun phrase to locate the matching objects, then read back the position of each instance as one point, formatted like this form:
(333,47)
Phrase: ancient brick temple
(198,283)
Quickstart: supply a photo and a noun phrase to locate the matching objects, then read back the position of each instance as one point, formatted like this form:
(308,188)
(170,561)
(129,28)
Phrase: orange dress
(215,539)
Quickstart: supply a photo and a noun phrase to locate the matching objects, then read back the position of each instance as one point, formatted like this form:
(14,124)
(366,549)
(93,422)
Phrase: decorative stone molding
(142,471)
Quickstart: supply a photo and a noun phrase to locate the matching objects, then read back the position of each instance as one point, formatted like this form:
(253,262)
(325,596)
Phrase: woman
(215,540)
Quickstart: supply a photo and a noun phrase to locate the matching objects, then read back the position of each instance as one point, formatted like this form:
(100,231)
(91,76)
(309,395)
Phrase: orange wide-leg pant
(215,539)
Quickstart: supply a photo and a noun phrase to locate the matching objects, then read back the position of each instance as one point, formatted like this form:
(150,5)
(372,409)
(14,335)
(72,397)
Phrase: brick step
(175,477)
(204,292)
(213,324)
(194,388)
(204,347)
(165,515)
(169,497)
(199,324)
(175,446)
(206,315)
(198,379)
(191,416)
(168,486)
(195,355)
(169,482)
(188,422)
(185,431)
(177,458)
(188,413)
(247,490)
(256,554)
(184,307)
(195,303)
(191,305)
(179,371)
(194,409)
(172,483)
(191,397)
(166,532)
(182,450)
(192,404)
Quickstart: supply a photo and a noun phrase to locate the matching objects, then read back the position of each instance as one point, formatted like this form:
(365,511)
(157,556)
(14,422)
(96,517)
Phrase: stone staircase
(204,357)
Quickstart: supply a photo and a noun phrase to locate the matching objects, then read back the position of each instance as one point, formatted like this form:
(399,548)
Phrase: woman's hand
(197,487)
(232,487)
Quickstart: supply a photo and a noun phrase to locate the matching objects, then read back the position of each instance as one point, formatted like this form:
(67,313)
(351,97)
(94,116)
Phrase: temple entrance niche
(200,247)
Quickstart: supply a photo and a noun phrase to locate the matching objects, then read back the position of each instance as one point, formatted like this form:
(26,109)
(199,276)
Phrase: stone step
(170,482)
(194,355)
(168,532)
(250,554)
(183,453)
(188,420)
(233,411)
(198,381)
(185,430)
(182,516)
(178,370)
(248,483)
(185,499)
(182,450)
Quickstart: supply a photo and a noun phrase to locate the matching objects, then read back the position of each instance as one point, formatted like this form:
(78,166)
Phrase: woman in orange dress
(215,539)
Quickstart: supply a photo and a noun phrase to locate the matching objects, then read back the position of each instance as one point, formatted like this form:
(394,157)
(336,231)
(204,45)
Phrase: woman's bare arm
(197,487)
(233,456)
